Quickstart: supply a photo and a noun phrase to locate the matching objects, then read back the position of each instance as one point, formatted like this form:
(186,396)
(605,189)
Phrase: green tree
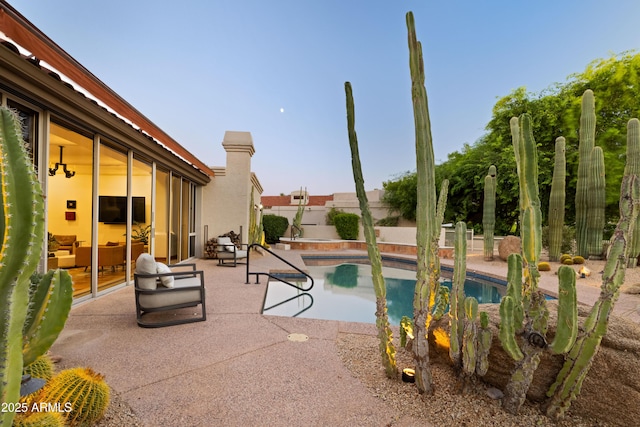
(555,112)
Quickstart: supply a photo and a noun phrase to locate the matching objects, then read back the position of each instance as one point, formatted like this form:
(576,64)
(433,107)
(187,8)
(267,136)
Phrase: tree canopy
(555,112)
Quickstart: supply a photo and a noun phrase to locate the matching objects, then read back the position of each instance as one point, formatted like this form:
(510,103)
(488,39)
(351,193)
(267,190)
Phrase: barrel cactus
(42,368)
(40,419)
(557,201)
(83,391)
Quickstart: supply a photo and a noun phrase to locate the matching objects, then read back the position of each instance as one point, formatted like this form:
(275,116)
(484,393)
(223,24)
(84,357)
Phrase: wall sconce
(67,172)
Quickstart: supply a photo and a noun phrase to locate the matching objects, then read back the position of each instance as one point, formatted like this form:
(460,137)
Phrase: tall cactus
(456,310)
(576,366)
(489,212)
(632,167)
(22,220)
(387,349)
(596,203)
(557,201)
(428,270)
(586,144)
(523,310)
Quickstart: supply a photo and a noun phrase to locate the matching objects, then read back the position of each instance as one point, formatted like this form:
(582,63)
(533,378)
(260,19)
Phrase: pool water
(345,292)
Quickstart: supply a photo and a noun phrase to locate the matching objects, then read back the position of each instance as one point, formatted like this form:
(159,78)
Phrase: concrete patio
(238,367)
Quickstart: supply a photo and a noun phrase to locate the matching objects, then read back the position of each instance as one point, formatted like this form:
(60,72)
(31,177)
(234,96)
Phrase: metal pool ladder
(276,276)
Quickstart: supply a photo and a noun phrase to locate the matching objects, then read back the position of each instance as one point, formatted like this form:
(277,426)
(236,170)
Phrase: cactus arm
(434,270)
(531,215)
(567,329)
(22,231)
(576,366)
(470,336)
(585,145)
(441,303)
(49,305)
(386,346)
(484,345)
(457,292)
(557,200)
(514,288)
(507,329)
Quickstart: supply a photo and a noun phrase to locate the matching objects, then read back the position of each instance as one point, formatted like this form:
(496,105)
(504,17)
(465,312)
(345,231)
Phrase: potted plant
(53,244)
(141,233)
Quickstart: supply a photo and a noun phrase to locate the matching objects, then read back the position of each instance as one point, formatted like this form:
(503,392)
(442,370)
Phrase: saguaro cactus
(22,239)
(586,144)
(632,167)
(428,268)
(489,212)
(596,203)
(387,349)
(557,201)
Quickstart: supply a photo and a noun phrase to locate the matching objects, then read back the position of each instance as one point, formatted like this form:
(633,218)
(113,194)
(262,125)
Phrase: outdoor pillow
(167,281)
(145,264)
(224,244)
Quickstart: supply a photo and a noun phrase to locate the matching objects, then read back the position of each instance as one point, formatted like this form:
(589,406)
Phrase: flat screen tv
(113,209)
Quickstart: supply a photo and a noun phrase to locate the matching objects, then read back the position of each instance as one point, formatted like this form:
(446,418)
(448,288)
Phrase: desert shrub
(274,227)
(390,221)
(329,218)
(347,225)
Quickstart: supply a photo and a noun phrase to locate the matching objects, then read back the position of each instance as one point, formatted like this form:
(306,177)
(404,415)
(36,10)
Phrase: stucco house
(115,183)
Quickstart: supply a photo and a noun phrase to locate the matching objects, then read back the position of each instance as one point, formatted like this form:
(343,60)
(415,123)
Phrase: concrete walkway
(236,369)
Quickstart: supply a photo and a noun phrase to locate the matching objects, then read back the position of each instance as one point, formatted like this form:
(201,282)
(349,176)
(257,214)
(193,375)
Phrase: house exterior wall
(227,198)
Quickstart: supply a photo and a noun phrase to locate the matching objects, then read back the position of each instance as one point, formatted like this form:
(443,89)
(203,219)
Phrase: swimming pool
(345,292)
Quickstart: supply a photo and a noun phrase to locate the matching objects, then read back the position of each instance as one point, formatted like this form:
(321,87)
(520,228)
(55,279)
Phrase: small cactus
(578,259)
(568,261)
(85,390)
(564,257)
(544,266)
(40,419)
(41,368)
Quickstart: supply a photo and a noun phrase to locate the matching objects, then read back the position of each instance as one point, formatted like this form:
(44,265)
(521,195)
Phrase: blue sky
(199,67)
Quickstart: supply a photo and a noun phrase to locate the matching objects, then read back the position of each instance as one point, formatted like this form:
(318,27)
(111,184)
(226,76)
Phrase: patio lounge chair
(227,251)
(160,288)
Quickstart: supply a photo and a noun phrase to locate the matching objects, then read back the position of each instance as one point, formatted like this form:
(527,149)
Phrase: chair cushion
(241,254)
(173,297)
(112,244)
(167,281)
(145,264)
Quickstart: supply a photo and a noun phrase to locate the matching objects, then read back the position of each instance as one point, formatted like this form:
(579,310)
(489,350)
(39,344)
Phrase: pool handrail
(274,277)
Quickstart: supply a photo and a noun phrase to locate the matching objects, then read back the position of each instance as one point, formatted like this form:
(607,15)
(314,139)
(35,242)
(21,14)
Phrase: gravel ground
(448,405)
